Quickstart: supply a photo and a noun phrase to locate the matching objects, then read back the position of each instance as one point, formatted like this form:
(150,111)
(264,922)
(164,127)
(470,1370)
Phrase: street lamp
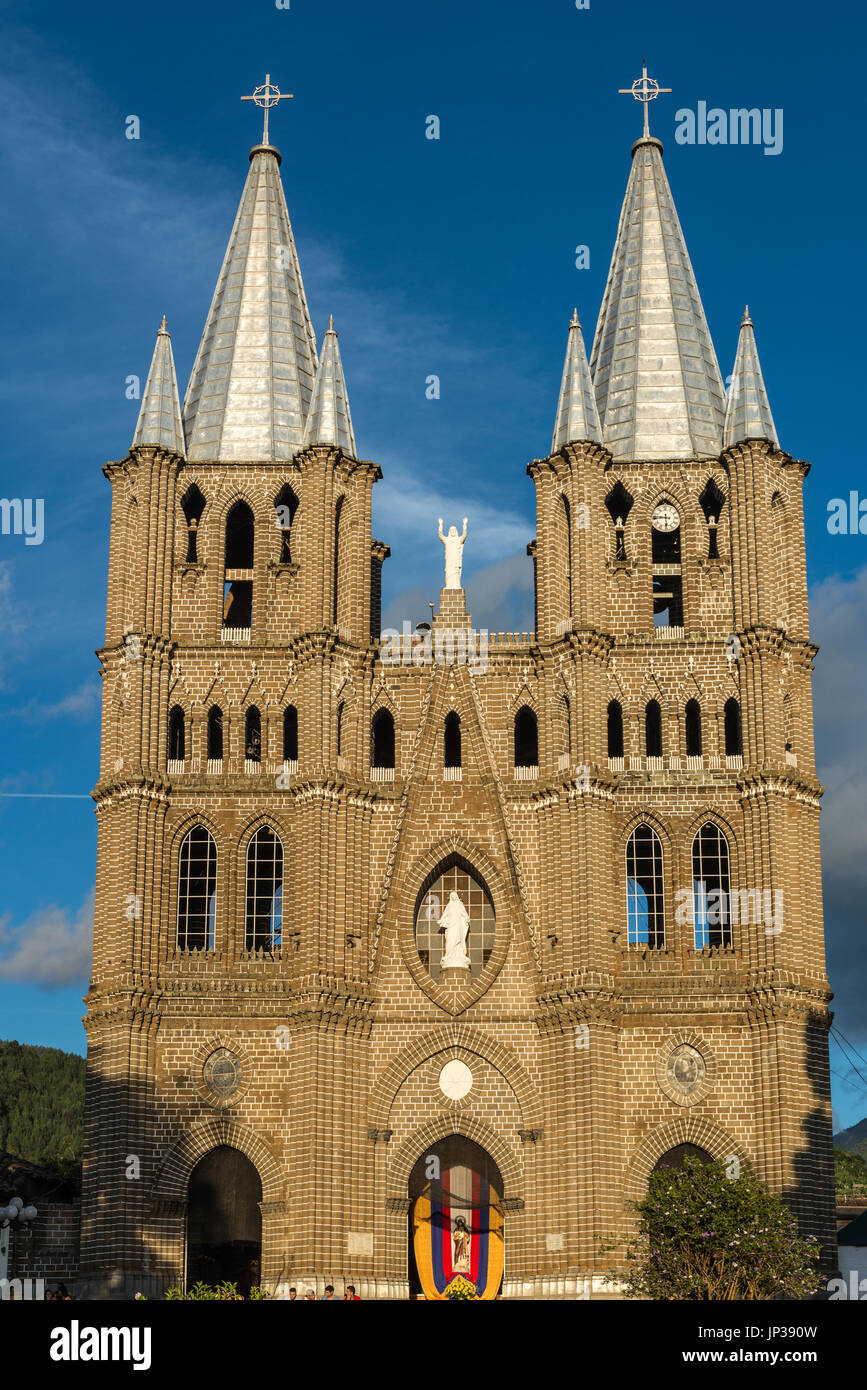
(13,1217)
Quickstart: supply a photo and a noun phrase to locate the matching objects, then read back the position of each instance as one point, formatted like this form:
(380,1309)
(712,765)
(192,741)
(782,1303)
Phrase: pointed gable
(159,419)
(748,412)
(658,384)
(252,380)
(577,415)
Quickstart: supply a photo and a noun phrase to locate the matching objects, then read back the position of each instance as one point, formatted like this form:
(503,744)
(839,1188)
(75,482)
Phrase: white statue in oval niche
(455,925)
(454,545)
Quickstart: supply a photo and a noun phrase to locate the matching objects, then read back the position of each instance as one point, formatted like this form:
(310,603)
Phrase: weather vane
(268,96)
(644,89)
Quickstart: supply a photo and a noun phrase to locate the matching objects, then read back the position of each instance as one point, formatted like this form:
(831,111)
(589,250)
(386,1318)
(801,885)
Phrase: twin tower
(284,1084)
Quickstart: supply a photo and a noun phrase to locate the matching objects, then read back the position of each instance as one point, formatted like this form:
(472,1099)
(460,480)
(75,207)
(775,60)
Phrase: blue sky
(454,257)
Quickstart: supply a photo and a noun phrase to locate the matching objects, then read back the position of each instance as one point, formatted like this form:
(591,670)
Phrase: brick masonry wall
(341,1034)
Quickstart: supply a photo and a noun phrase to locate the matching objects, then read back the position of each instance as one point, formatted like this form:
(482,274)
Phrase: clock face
(665,517)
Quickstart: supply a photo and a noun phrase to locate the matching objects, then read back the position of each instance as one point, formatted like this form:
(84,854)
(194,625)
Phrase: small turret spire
(159,419)
(748,411)
(577,414)
(329,420)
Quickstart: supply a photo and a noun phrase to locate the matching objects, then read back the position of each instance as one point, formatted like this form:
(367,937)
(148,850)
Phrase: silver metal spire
(250,387)
(748,412)
(159,419)
(577,415)
(329,421)
(658,383)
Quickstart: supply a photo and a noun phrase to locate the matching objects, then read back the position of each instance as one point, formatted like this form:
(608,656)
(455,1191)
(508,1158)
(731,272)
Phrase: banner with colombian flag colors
(457,1228)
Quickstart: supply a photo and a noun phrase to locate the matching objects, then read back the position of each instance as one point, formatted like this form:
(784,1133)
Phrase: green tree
(41,1106)
(705,1236)
(850,1173)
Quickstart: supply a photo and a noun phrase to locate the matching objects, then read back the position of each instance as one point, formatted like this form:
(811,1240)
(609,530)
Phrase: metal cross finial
(645,90)
(268,96)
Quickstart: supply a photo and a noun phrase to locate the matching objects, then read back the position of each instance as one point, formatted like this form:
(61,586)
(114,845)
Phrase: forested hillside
(42,1106)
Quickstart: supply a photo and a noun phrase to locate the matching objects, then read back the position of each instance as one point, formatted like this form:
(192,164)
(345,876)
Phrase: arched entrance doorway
(455,1222)
(224,1220)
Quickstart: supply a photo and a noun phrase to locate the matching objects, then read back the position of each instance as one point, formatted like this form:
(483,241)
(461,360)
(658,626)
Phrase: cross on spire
(267,96)
(645,89)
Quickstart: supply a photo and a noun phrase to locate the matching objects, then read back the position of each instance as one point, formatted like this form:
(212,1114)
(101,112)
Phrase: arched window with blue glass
(264,914)
(711,888)
(645,913)
(197,891)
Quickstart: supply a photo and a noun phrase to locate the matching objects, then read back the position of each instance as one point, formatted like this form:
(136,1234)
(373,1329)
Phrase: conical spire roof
(658,383)
(250,387)
(329,420)
(159,419)
(748,412)
(577,415)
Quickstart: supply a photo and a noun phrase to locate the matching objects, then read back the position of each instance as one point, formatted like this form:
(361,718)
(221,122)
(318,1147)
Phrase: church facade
(416,953)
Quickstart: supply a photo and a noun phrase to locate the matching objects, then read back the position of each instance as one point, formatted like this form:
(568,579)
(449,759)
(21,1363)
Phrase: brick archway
(170,1184)
(704,1133)
(454,1039)
(440,1127)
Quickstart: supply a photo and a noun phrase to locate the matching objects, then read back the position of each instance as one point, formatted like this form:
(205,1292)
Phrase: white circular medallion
(456,1080)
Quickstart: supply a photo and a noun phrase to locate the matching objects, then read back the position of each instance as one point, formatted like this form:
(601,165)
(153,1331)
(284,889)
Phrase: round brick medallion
(222,1072)
(686,1069)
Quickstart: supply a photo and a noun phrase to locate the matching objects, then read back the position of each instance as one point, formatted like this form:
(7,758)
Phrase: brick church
(410,967)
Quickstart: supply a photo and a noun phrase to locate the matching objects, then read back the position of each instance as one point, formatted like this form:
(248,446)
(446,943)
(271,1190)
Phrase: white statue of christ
(454,545)
(455,924)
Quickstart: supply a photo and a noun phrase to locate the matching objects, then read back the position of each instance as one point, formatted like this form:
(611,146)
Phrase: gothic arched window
(192,504)
(338,513)
(711,887)
(712,502)
(197,891)
(238,575)
(644,888)
(693,729)
(454,877)
(615,729)
(653,729)
(264,914)
(619,504)
(290,734)
(252,736)
(215,734)
(563,712)
(567,536)
(339,731)
(452,740)
(526,738)
(285,506)
(177,739)
(666,560)
(382,739)
(732,721)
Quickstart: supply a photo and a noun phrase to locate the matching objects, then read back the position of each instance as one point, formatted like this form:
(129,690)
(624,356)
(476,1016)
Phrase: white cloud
(79,703)
(49,948)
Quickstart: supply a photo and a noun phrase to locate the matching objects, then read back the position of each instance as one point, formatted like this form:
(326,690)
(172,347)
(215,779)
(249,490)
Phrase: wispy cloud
(80,703)
(50,948)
